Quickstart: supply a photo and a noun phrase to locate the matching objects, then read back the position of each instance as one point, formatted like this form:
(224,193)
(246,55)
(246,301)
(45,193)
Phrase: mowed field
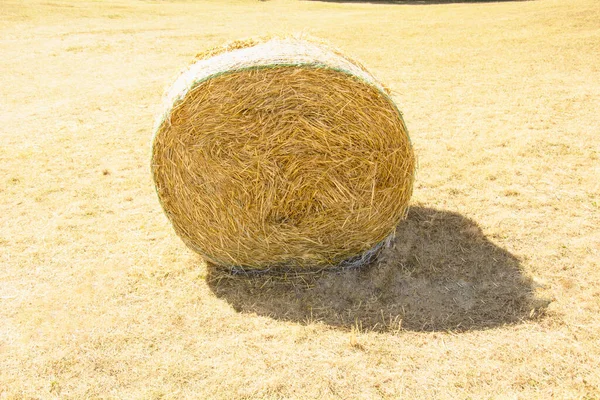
(491,289)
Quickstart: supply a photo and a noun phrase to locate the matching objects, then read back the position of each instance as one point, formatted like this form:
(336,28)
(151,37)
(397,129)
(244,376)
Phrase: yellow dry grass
(491,290)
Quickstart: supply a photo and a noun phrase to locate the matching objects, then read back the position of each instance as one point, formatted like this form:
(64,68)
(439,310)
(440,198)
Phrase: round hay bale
(281,153)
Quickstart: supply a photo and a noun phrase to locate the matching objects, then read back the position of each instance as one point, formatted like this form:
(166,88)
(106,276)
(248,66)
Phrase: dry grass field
(491,289)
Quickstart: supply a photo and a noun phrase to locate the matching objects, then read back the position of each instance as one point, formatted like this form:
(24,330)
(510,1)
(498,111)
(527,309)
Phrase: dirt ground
(491,289)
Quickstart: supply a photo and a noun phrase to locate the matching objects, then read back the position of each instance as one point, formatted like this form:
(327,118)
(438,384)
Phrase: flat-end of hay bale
(281,153)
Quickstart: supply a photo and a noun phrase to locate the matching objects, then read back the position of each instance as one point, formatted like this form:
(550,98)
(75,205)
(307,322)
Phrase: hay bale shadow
(440,273)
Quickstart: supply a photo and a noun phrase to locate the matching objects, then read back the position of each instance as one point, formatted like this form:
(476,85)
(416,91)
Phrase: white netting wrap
(275,52)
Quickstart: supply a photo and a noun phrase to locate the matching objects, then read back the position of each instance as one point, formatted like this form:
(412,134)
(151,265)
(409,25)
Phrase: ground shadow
(440,273)
(415,2)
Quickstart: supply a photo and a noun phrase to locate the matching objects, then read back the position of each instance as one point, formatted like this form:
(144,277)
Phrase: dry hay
(281,153)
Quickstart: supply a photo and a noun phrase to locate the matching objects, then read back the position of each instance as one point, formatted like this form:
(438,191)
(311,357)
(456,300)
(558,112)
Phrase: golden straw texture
(293,163)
